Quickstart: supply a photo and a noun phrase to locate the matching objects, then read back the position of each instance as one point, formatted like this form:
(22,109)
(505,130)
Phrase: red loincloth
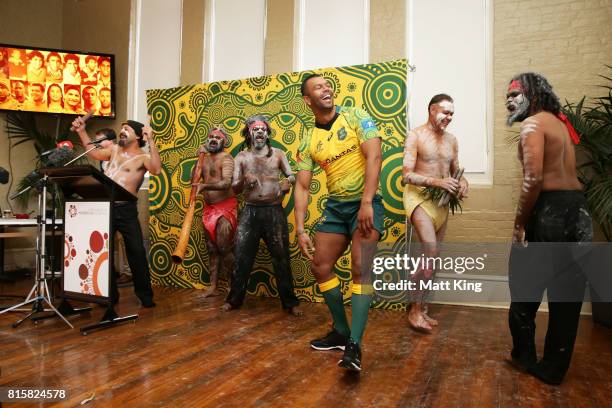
(212,212)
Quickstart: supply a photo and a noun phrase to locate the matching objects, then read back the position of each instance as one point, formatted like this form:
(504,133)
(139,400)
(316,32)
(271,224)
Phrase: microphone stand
(96,146)
(28,188)
(39,294)
(65,307)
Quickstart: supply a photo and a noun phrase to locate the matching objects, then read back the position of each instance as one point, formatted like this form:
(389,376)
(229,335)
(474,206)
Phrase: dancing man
(345,144)
(430,159)
(219,215)
(552,208)
(127,166)
(257,172)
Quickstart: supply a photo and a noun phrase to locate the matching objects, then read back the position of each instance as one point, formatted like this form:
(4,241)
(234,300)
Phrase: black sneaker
(351,360)
(332,340)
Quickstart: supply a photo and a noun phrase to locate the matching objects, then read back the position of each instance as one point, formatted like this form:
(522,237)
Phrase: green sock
(333,298)
(360,305)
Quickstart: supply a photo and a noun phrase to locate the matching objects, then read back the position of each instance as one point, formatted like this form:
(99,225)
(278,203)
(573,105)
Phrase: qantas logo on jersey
(340,155)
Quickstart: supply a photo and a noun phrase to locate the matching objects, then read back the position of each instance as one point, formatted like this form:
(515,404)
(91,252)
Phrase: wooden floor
(186,353)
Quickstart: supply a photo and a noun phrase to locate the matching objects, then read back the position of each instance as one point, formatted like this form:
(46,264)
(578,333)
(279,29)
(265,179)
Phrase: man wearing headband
(219,215)
(552,209)
(127,166)
(431,159)
(345,144)
(263,174)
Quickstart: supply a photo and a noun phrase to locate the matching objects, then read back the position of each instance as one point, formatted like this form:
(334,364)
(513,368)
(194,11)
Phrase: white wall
(235,39)
(155,51)
(331,33)
(450,42)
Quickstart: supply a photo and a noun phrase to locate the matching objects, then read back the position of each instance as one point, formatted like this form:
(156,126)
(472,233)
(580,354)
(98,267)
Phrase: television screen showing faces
(55,81)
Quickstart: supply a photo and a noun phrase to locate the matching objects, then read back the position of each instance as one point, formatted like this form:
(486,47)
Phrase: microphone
(58,156)
(108,136)
(85,119)
(64,144)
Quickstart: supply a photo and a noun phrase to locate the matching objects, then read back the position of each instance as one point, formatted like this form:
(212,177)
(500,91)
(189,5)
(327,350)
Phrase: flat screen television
(54,81)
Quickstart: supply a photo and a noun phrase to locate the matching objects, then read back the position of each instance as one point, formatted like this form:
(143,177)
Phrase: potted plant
(592,119)
(22,128)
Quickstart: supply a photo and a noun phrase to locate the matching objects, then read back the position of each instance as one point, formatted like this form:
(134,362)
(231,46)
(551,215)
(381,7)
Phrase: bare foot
(213,291)
(430,320)
(418,323)
(226,307)
(295,311)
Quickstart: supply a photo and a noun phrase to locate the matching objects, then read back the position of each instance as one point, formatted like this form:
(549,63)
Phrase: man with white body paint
(430,158)
(127,166)
(551,209)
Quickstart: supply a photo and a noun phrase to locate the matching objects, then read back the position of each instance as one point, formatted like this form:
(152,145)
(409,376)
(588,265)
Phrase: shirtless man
(551,208)
(219,215)
(430,158)
(257,172)
(127,166)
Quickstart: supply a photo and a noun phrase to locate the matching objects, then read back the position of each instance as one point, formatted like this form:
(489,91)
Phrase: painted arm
(289,180)
(227,170)
(300,201)
(463,183)
(286,167)
(409,176)
(97,154)
(532,145)
(238,176)
(153,162)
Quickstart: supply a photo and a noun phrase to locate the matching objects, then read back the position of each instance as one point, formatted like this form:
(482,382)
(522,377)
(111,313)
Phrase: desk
(7,230)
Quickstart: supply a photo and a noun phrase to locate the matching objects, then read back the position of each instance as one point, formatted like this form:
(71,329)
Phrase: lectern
(88,240)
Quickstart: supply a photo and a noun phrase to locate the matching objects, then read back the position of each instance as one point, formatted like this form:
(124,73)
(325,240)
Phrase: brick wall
(387,30)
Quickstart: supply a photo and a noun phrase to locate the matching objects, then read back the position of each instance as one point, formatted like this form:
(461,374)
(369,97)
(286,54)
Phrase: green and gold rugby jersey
(337,151)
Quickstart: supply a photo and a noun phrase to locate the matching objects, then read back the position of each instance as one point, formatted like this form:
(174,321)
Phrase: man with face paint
(552,208)
(219,215)
(345,144)
(127,166)
(257,173)
(430,158)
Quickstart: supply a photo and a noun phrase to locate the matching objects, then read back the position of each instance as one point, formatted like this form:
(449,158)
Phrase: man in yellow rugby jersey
(346,145)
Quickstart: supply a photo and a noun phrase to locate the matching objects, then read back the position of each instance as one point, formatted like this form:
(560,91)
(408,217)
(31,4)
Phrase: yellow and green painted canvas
(182,117)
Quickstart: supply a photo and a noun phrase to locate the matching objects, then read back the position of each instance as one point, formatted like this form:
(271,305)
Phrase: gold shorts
(413,199)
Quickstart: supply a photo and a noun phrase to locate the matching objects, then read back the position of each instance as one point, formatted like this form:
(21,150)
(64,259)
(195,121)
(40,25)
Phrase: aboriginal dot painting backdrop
(182,117)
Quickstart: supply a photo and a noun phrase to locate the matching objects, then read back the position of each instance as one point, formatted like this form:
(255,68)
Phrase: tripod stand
(40,290)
